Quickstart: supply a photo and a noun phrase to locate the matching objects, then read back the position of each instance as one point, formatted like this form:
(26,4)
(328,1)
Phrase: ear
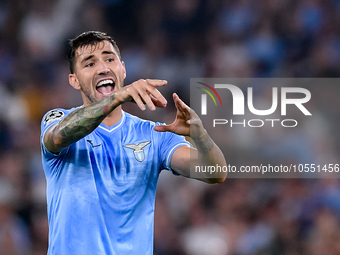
(73,80)
(124,69)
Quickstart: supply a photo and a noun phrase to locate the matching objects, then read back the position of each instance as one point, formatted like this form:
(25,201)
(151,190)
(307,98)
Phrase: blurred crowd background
(177,40)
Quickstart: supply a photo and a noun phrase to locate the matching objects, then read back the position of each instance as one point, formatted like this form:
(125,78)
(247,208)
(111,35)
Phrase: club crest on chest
(138,150)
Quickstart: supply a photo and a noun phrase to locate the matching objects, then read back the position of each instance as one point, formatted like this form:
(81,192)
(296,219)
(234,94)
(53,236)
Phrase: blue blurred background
(177,40)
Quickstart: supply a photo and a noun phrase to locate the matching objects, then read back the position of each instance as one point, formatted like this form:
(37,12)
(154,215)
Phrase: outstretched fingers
(134,93)
(162,128)
(183,109)
(180,125)
(145,92)
(156,83)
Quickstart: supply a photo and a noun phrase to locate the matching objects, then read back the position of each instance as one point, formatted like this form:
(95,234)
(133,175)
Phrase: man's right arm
(77,124)
(83,121)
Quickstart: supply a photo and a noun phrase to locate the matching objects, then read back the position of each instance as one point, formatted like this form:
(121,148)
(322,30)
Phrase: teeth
(104,82)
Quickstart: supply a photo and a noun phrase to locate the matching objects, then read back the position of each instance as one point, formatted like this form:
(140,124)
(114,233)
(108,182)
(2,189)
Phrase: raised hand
(143,92)
(187,122)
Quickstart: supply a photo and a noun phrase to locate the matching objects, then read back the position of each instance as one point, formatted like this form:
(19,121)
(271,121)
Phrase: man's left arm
(186,158)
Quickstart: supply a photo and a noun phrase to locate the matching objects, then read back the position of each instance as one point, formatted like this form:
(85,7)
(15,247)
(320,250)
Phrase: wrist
(201,136)
(117,99)
(204,143)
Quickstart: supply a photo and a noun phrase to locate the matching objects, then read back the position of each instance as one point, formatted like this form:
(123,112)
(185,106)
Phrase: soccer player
(102,164)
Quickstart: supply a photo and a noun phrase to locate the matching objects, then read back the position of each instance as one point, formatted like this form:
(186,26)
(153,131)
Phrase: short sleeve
(50,118)
(170,142)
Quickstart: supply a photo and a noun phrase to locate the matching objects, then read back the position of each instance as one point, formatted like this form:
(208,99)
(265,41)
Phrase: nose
(103,68)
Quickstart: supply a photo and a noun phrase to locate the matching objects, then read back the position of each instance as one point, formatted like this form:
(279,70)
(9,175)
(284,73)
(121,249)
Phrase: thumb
(161,128)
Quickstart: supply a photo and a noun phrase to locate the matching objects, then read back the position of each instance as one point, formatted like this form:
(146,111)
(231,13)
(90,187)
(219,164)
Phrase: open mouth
(105,87)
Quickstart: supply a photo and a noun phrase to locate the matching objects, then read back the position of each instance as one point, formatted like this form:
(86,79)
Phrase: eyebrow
(109,53)
(103,53)
(85,59)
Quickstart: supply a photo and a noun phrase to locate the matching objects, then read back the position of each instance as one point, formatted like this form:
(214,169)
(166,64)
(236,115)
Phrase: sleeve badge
(53,116)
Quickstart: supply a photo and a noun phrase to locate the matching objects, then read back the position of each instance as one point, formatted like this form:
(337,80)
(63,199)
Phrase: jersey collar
(115,126)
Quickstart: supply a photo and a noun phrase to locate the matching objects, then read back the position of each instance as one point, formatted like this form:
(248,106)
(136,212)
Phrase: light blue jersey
(101,190)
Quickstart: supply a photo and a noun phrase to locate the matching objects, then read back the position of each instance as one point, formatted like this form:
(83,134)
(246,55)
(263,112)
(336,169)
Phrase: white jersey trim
(114,128)
(167,162)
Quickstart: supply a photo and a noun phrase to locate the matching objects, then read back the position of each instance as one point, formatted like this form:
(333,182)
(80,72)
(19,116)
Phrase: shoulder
(55,115)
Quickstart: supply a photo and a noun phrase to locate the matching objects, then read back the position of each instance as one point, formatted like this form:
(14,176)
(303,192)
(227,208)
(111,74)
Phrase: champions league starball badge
(52,116)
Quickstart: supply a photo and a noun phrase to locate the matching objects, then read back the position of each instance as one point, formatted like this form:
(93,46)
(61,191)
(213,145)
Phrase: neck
(114,117)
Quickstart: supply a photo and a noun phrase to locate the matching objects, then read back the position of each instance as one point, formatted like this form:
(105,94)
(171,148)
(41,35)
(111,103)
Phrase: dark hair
(87,38)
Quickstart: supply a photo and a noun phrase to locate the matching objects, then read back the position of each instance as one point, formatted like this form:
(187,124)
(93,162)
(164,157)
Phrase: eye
(89,64)
(109,59)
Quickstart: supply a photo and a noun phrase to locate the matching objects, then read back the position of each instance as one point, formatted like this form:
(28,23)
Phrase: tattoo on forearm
(206,145)
(82,122)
